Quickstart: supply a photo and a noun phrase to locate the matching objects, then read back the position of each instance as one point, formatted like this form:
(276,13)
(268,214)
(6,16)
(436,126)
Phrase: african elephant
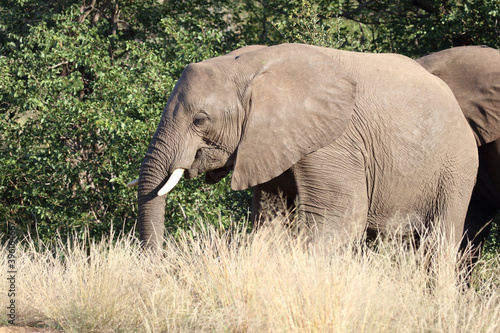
(364,143)
(473,74)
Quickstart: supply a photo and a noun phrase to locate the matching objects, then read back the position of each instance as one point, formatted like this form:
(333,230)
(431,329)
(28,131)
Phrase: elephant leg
(274,199)
(476,230)
(485,201)
(256,216)
(270,203)
(489,157)
(332,195)
(484,205)
(477,226)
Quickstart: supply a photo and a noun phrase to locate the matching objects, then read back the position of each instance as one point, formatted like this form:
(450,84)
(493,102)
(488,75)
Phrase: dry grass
(262,282)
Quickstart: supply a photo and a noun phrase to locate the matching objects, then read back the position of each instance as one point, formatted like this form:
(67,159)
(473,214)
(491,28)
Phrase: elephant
(473,74)
(363,143)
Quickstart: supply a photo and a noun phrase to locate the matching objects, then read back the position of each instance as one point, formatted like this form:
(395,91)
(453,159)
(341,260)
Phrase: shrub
(80,99)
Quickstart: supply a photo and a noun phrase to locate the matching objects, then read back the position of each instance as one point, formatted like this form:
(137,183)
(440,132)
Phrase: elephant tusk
(133,183)
(171,182)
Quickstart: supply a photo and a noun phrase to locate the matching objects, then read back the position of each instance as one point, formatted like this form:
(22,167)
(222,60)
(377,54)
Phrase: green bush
(80,105)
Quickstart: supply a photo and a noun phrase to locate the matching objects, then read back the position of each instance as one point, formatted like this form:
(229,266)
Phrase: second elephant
(473,74)
(362,142)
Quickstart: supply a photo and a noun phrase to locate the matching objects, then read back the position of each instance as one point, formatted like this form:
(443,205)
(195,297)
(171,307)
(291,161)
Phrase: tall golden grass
(265,281)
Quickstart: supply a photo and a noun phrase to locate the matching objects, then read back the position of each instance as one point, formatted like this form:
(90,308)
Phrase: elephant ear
(473,74)
(299,101)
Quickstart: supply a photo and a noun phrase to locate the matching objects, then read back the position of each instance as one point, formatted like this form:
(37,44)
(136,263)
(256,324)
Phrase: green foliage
(415,28)
(492,246)
(79,106)
(307,25)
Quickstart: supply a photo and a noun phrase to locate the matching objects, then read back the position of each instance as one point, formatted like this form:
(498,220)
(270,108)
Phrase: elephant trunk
(151,220)
(154,172)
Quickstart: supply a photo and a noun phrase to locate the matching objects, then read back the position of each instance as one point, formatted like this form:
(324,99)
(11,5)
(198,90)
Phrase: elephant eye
(200,119)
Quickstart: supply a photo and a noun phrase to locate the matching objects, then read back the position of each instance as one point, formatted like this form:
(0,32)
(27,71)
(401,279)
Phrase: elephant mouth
(209,161)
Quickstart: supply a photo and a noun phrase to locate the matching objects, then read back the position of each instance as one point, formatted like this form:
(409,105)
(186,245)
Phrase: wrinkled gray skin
(363,142)
(473,74)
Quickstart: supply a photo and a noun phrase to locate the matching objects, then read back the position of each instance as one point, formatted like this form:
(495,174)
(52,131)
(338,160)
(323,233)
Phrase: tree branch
(85,10)
(114,19)
(59,64)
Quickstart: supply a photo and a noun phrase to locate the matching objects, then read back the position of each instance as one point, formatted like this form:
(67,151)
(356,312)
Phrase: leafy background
(83,85)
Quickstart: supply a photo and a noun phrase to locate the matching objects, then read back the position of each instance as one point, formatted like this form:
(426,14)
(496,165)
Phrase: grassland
(265,281)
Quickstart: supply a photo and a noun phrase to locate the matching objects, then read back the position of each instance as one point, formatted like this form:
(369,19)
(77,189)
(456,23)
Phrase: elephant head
(257,110)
